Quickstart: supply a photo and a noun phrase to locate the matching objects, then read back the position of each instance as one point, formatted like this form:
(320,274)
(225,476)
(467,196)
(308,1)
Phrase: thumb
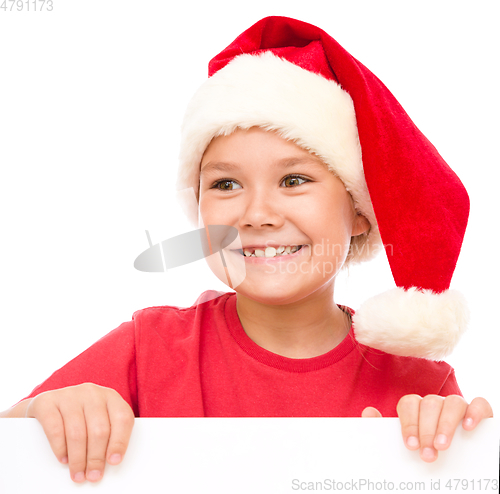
(371,412)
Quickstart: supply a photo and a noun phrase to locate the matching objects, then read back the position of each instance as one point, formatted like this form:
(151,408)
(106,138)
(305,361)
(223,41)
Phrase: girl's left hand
(429,423)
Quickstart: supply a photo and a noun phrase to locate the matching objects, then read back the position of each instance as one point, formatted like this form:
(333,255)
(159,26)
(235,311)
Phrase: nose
(261,210)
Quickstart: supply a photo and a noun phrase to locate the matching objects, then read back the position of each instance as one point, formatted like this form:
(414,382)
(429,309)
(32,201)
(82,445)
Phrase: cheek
(214,211)
(328,219)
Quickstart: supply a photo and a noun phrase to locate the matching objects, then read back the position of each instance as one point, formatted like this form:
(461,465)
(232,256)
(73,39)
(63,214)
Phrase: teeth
(272,251)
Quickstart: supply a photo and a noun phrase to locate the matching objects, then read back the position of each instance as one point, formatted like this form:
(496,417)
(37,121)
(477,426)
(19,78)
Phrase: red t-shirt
(198,361)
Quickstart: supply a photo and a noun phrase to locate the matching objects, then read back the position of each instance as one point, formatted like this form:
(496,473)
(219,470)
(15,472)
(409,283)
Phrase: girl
(303,150)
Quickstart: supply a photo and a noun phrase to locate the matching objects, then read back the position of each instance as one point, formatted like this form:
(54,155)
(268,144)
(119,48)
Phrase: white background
(91,99)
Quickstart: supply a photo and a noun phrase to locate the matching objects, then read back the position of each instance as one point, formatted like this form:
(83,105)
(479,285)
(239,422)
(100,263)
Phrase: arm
(89,401)
(109,362)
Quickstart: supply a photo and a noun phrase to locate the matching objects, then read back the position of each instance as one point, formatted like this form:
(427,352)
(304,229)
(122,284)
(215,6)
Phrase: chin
(273,293)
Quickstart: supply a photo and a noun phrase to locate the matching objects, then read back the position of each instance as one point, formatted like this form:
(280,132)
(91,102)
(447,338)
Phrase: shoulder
(414,375)
(208,308)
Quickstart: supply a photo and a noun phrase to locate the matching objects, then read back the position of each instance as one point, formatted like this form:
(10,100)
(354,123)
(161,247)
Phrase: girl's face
(276,194)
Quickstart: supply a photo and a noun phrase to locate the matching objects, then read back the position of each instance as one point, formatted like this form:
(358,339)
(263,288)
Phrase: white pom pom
(413,322)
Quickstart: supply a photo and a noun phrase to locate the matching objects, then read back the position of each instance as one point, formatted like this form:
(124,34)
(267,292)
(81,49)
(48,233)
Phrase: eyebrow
(227,166)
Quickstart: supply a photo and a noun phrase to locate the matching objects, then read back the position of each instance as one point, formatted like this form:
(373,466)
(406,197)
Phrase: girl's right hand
(85,425)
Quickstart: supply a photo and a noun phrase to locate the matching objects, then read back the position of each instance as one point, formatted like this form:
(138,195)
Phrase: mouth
(270,252)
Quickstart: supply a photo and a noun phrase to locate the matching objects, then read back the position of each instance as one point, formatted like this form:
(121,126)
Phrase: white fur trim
(269,92)
(412,323)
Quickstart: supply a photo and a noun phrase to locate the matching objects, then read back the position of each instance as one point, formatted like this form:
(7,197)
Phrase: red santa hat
(291,77)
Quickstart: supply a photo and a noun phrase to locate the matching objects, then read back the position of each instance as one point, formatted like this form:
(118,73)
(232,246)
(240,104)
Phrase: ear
(360,225)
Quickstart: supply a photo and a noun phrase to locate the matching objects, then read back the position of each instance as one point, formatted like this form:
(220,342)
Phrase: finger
(453,411)
(370,412)
(98,432)
(121,418)
(75,430)
(478,410)
(408,413)
(430,411)
(52,422)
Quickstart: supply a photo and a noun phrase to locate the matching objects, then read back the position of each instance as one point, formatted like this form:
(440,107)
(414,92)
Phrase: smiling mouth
(269,252)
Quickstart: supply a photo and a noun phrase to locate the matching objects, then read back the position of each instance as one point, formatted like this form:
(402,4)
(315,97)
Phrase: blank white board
(257,456)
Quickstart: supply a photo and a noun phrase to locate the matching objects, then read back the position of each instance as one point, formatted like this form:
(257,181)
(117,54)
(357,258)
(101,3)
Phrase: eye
(294,180)
(225,184)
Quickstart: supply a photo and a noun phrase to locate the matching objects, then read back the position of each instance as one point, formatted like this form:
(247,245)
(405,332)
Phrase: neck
(303,329)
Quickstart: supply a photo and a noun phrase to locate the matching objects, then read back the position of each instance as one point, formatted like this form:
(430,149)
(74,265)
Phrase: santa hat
(292,77)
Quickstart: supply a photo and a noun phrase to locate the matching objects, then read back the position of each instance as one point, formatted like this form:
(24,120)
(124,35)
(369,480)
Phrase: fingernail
(64,459)
(441,439)
(93,475)
(468,422)
(115,458)
(428,453)
(412,441)
(79,477)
